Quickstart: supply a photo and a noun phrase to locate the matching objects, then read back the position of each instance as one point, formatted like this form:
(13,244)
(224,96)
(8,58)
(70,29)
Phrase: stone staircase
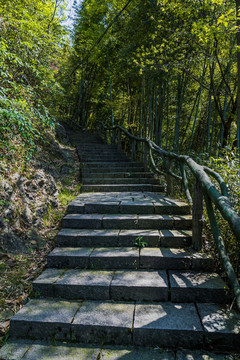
(124,274)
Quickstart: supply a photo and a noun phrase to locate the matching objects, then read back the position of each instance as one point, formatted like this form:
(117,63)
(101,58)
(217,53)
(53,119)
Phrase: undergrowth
(17,271)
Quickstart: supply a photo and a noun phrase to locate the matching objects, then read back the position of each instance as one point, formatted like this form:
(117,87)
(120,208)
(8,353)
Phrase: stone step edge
(166,324)
(130,258)
(120,179)
(125,175)
(22,349)
(117,207)
(122,187)
(128,221)
(162,285)
(155,238)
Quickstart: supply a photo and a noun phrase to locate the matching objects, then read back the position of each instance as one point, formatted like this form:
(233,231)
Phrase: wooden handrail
(203,184)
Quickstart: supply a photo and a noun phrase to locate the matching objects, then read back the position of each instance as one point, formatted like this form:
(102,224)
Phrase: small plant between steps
(140,243)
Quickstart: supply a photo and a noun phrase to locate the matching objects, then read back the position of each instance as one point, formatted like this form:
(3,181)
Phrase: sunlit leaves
(31,44)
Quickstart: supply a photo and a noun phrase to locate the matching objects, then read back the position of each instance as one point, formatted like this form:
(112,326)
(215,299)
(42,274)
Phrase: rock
(45,182)
(68,155)
(53,202)
(35,241)
(29,189)
(61,134)
(10,243)
(17,228)
(6,187)
(19,179)
(65,170)
(40,209)
(6,315)
(37,223)
(15,177)
(27,215)
(9,213)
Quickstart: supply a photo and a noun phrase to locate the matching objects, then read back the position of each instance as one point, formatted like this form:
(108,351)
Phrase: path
(101,288)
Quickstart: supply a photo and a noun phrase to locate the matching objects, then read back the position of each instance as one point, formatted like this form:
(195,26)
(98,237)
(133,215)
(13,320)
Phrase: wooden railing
(203,189)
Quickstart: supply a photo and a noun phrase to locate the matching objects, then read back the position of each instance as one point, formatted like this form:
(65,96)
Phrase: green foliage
(31,46)
(66,195)
(228,165)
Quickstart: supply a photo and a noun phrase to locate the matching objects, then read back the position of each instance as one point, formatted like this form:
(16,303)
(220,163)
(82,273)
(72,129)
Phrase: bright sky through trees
(70,11)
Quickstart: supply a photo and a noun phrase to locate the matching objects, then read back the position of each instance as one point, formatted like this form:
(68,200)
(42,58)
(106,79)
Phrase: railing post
(169,184)
(169,179)
(113,136)
(105,135)
(197,215)
(145,155)
(119,139)
(133,149)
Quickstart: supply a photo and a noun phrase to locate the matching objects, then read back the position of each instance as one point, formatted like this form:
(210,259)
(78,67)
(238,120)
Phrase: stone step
(101,149)
(43,350)
(123,187)
(129,258)
(113,164)
(128,205)
(127,181)
(103,285)
(162,324)
(113,175)
(182,286)
(127,221)
(102,159)
(96,146)
(113,238)
(103,153)
(106,169)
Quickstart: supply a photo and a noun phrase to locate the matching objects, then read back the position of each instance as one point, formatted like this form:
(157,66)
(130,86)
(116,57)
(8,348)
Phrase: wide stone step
(109,159)
(129,258)
(45,350)
(107,181)
(164,324)
(112,164)
(97,147)
(102,154)
(113,238)
(127,221)
(124,187)
(176,286)
(103,285)
(108,169)
(110,204)
(112,175)
(94,145)
(99,150)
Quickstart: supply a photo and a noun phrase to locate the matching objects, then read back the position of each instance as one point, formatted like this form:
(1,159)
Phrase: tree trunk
(238,78)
